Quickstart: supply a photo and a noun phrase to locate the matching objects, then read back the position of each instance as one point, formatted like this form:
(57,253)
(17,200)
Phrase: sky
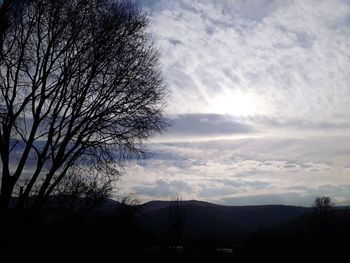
(259,102)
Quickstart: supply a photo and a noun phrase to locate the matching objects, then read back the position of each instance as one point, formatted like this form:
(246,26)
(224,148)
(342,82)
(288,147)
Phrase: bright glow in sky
(271,75)
(236,103)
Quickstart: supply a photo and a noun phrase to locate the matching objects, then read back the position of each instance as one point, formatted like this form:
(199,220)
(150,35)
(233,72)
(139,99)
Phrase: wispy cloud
(199,125)
(270,76)
(229,171)
(290,58)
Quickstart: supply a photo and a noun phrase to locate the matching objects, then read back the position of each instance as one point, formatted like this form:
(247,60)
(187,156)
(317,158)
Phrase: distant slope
(205,220)
(157,204)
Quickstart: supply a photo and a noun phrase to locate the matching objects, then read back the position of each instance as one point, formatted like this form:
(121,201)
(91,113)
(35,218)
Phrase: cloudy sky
(259,104)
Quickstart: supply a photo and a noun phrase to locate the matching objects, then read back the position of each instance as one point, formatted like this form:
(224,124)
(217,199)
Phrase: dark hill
(199,220)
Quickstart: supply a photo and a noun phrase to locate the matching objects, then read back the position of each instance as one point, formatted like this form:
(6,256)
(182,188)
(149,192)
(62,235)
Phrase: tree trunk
(3,21)
(5,196)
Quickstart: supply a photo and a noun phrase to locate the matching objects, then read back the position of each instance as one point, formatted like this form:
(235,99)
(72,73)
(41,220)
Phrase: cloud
(224,170)
(268,199)
(269,76)
(199,126)
(163,188)
(336,125)
(304,197)
(286,59)
(205,125)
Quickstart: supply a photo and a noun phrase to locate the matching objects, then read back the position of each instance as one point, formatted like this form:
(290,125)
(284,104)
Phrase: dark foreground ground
(129,234)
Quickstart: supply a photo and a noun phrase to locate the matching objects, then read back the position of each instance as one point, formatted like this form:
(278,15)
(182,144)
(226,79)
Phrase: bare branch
(79,82)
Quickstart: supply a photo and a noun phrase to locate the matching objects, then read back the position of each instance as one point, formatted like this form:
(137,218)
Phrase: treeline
(112,231)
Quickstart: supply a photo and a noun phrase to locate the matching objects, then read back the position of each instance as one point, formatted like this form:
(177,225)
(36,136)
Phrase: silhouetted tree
(176,221)
(79,84)
(128,206)
(80,194)
(322,220)
(323,205)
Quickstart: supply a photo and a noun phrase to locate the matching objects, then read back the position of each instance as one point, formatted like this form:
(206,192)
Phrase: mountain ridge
(197,219)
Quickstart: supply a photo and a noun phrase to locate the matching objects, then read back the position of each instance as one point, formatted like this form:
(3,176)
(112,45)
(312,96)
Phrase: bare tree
(176,220)
(323,205)
(322,223)
(80,193)
(128,208)
(79,84)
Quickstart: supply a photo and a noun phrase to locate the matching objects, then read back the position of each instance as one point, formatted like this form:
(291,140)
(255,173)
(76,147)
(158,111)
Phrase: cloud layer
(245,171)
(271,77)
(283,59)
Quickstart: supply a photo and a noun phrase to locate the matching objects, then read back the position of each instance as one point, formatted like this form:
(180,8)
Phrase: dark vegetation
(126,231)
